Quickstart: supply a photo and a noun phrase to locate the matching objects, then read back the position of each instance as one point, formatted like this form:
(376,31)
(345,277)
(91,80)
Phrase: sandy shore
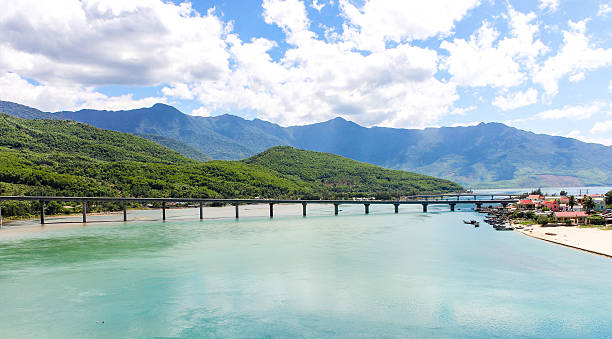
(591,240)
(17,227)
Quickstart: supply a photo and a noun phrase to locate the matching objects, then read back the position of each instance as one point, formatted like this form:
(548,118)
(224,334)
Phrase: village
(563,210)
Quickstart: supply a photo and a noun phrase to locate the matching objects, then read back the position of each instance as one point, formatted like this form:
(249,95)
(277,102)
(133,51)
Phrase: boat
(477,224)
(472,222)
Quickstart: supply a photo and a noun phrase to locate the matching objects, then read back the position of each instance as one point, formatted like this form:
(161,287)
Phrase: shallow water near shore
(383,274)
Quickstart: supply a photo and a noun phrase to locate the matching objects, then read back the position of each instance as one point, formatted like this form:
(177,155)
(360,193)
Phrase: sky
(539,65)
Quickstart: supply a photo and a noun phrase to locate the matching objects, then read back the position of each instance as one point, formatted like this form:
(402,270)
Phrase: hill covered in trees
(65,158)
(345,176)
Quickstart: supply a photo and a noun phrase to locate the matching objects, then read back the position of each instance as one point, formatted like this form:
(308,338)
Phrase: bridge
(237,202)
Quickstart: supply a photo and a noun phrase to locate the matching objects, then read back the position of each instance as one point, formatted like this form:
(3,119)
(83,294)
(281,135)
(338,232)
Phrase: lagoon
(384,274)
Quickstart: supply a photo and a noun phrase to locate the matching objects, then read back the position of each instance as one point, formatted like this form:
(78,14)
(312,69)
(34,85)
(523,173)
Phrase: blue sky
(543,66)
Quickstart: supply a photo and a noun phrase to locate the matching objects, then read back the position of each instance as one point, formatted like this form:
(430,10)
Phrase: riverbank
(593,240)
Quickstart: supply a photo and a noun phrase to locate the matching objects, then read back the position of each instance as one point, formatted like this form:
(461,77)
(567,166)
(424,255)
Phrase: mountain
(66,158)
(486,155)
(183,149)
(346,176)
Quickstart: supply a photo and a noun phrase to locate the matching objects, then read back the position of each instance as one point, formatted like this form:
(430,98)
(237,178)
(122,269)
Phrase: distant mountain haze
(486,155)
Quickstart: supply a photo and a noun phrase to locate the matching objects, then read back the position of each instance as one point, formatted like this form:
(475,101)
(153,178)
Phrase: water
(408,275)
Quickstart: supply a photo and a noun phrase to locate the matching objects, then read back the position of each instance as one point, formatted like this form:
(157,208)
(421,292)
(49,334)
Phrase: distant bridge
(429,200)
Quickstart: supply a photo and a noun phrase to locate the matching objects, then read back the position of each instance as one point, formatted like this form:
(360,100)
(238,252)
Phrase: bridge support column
(201,211)
(335,209)
(424,208)
(452,206)
(303,209)
(237,215)
(492,197)
(84,210)
(474,197)
(367,208)
(396,208)
(164,210)
(271,210)
(124,211)
(478,205)
(42,212)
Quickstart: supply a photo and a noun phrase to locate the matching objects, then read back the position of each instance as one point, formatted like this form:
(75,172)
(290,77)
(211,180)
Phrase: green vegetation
(345,177)
(588,203)
(64,158)
(609,198)
(596,220)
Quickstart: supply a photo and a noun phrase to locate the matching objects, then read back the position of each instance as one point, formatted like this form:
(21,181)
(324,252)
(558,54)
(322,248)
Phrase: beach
(592,240)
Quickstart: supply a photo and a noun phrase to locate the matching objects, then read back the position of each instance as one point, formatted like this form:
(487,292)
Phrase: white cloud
(378,21)
(95,42)
(290,15)
(602,127)
(486,60)
(516,99)
(65,97)
(462,110)
(577,77)
(552,5)
(317,80)
(577,55)
(604,9)
(576,134)
(179,90)
(579,112)
(201,111)
(610,87)
(316,5)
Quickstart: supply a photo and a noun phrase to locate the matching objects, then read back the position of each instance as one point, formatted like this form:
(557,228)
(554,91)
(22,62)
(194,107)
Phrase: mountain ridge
(484,155)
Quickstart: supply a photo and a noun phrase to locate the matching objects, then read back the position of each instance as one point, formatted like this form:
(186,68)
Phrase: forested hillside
(346,176)
(65,158)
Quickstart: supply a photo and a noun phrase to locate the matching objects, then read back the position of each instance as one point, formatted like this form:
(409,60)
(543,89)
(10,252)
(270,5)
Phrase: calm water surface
(411,274)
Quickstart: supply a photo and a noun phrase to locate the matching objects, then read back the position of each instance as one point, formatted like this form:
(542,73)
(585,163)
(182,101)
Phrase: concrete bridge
(237,202)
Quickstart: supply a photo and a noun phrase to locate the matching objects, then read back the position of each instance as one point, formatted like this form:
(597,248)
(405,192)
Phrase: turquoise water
(408,275)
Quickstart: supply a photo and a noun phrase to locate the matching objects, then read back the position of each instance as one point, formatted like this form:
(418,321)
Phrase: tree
(563,193)
(588,203)
(609,198)
(572,202)
(537,192)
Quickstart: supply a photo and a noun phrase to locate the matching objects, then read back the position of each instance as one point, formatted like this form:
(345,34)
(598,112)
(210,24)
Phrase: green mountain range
(485,155)
(66,158)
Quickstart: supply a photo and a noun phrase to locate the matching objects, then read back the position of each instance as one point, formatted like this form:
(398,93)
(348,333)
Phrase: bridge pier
(336,209)
(424,208)
(367,208)
(164,211)
(201,211)
(452,207)
(396,208)
(84,210)
(478,205)
(303,209)
(124,205)
(237,214)
(42,212)
(271,210)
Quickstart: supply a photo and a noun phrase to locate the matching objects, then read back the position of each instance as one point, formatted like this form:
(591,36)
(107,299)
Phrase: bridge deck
(237,202)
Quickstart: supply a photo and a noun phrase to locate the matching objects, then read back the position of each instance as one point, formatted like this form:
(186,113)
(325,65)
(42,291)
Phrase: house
(552,205)
(535,197)
(525,205)
(573,217)
(600,204)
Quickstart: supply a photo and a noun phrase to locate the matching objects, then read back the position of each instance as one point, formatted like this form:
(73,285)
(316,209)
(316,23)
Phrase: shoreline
(590,240)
